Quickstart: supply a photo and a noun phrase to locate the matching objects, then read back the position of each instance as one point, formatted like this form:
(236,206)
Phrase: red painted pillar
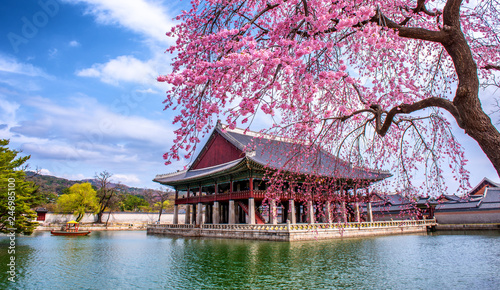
(251,186)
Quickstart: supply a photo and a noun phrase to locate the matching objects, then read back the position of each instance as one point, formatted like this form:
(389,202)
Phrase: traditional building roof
(232,150)
(491,199)
(480,188)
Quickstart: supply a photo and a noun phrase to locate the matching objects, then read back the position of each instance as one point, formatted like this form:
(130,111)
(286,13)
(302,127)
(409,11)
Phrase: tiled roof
(197,173)
(276,153)
(484,182)
(491,199)
(457,205)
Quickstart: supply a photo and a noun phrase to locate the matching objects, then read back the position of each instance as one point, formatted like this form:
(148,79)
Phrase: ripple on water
(124,260)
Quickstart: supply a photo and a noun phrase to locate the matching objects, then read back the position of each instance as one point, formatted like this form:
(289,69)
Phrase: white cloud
(78,138)
(126,178)
(148,18)
(11,65)
(74,43)
(78,176)
(123,68)
(148,91)
(8,111)
(88,121)
(44,171)
(53,52)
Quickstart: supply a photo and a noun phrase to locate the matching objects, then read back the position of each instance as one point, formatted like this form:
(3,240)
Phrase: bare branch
(490,66)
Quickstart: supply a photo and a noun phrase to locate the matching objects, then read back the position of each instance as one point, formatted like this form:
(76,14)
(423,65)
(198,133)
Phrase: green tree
(106,193)
(134,203)
(16,194)
(158,200)
(81,198)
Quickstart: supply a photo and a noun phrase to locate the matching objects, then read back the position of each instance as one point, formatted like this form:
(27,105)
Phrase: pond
(128,259)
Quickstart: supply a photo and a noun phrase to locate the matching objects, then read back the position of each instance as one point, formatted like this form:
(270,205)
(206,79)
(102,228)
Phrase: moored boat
(71,229)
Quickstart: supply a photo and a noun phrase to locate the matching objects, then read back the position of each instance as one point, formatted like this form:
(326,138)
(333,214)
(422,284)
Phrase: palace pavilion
(228,183)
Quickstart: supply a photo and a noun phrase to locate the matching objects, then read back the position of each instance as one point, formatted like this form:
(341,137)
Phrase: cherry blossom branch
(410,108)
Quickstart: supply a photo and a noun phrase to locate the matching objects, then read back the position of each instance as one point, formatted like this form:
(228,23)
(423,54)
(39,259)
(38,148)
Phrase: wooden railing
(301,227)
(259,194)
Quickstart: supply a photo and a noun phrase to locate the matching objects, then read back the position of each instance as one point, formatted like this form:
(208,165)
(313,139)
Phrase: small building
(40,214)
(228,182)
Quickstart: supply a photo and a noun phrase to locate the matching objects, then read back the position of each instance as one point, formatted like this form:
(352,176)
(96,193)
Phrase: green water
(130,260)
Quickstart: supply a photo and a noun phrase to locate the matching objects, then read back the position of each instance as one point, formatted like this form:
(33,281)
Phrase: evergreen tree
(17,195)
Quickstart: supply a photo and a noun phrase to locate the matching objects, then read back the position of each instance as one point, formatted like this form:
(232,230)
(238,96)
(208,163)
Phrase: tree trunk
(109,215)
(99,217)
(478,125)
(474,120)
(159,215)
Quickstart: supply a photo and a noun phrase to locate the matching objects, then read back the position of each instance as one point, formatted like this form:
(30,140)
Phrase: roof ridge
(251,133)
(170,174)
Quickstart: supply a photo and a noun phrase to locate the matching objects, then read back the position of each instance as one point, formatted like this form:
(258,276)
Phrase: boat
(71,229)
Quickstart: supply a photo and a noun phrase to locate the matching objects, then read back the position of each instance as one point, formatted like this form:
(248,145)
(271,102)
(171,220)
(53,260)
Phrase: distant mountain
(56,185)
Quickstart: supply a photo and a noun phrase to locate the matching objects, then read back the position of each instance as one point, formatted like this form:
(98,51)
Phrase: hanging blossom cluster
(360,79)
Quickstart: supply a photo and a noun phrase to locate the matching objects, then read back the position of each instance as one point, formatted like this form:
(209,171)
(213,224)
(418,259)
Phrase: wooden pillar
(369,212)
(187,221)
(310,212)
(176,214)
(215,213)
(199,214)
(292,214)
(273,217)
(232,217)
(251,211)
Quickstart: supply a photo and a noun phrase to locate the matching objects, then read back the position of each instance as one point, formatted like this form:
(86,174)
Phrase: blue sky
(78,88)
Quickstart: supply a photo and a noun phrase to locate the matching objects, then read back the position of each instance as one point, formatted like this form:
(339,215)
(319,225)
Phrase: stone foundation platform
(293,232)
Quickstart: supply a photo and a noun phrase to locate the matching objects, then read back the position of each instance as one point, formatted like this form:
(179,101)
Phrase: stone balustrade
(299,227)
(293,232)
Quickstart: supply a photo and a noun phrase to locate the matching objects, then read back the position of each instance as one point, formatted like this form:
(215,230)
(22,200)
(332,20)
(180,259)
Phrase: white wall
(118,217)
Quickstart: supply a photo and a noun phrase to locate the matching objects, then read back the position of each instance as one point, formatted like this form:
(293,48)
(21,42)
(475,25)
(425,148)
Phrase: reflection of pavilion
(225,184)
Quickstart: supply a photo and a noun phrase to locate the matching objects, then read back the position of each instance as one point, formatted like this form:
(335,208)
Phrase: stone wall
(472,217)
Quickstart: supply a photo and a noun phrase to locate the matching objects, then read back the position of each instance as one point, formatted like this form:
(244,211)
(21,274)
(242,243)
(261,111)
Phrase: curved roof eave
(204,173)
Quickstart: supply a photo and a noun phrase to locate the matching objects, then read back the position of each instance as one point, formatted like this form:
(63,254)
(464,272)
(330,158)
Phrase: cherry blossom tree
(374,82)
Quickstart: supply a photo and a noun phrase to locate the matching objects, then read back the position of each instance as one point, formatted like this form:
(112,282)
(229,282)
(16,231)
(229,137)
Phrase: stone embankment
(293,232)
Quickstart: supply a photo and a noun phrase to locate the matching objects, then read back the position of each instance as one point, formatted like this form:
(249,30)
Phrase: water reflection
(136,260)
